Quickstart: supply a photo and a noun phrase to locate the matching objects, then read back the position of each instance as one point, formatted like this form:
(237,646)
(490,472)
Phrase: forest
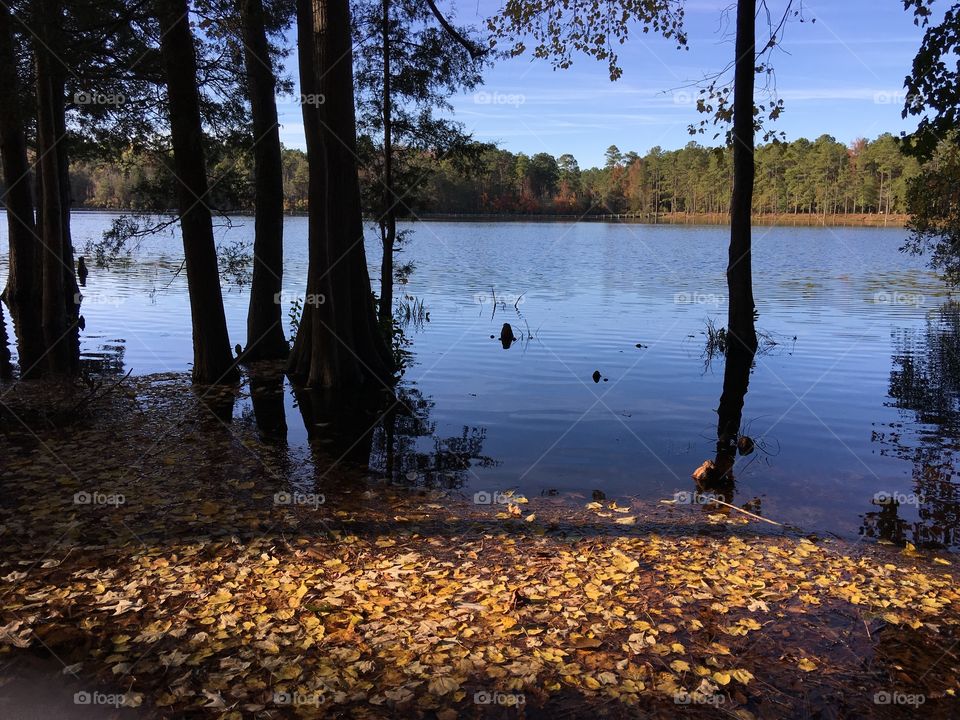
(806,177)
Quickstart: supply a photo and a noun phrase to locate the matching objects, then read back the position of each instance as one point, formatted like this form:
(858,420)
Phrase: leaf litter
(199,596)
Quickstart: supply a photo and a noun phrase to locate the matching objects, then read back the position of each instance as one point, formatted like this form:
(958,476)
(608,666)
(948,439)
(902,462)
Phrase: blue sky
(841,75)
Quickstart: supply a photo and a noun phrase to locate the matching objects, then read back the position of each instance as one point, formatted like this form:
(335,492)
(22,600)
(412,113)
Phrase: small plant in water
(293,314)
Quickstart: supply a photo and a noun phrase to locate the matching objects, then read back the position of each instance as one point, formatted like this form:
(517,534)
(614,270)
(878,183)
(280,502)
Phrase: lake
(856,390)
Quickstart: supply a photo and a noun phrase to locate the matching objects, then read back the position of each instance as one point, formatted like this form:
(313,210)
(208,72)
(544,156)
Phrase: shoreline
(381,602)
(894,221)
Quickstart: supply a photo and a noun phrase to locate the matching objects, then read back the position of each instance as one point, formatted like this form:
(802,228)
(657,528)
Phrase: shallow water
(857,392)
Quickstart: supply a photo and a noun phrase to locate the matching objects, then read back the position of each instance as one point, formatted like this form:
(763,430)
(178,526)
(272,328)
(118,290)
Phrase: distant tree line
(822,176)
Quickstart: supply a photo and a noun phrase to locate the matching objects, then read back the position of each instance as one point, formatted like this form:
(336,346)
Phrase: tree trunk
(265,338)
(338,342)
(740,327)
(54,322)
(71,290)
(388,223)
(212,358)
(22,292)
(719,478)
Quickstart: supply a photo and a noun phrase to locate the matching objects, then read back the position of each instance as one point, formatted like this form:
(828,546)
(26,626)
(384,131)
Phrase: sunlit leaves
(557,29)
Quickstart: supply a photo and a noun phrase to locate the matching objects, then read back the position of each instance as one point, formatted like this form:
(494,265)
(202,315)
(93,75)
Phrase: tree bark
(739,271)
(338,342)
(213,361)
(71,290)
(388,223)
(54,321)
(265,338)
(22,292)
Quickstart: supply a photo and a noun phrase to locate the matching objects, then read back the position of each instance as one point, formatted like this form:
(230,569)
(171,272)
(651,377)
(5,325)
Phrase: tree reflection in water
(925,387)
(378,430)
(408,450)
(715,477)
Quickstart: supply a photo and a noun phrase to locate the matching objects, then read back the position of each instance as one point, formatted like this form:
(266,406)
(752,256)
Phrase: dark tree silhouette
(56,262)
(265,337)
(338,342)
(22,292)
(213,361)
(740,329)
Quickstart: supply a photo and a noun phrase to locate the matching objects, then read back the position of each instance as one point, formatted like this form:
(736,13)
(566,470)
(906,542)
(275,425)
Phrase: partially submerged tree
(265,338)
(212,358)
(58,316)
(23,283)
(338,342)
(594,27)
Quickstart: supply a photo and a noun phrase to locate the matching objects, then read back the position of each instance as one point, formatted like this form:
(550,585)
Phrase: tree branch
(475,51)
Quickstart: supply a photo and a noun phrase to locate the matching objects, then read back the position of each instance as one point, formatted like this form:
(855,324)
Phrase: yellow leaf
(629,520)
(741,675)
(506,622)
(625,564)
(531,517)
(721,678)
(443,685)
(940,561)
(298,596)
(680,665)
(289,672)
(807,665)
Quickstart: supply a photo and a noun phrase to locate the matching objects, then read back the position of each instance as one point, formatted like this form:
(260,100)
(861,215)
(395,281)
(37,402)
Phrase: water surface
(856,392)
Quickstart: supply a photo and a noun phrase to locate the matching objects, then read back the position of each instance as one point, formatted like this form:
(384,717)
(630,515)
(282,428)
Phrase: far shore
(785,219)
(788,219)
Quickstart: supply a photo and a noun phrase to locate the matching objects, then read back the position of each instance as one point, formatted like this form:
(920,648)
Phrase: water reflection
(6,368)
(925,388)
(107,359)
(219,401)
(715,477)
(340,424)
(267,401)
(407,449)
